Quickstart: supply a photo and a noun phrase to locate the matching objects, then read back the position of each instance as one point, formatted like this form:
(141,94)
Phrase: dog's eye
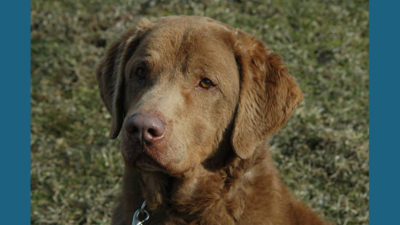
(141,72)
(206,83)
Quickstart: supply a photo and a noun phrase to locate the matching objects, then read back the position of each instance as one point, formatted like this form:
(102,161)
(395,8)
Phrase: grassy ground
(322,153)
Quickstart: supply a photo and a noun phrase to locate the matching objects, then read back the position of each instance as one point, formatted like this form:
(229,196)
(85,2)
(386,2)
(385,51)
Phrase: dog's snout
(145,127)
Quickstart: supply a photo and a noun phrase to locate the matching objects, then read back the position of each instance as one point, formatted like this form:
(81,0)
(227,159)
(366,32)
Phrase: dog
(194,102)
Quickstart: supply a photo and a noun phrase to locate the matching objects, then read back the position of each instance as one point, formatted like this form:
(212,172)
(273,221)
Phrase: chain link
(135,220)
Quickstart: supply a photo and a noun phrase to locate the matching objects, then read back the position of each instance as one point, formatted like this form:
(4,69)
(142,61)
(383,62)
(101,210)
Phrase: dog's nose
(145,127)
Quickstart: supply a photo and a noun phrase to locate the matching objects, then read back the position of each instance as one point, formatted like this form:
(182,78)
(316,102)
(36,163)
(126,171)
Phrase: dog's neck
(202,192)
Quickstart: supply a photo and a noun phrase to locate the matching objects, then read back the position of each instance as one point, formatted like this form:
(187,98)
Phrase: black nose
(145,127)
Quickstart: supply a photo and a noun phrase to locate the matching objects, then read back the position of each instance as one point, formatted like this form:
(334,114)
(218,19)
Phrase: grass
(322,152)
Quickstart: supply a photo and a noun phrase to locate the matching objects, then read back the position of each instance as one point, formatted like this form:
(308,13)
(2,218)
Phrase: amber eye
(206,83)
(140,72)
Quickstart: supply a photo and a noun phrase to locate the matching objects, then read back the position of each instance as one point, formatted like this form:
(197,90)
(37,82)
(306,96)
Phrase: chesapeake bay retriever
(195,102)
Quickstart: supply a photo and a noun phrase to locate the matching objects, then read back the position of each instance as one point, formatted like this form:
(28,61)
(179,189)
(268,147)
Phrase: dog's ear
(110,75)
(268,94)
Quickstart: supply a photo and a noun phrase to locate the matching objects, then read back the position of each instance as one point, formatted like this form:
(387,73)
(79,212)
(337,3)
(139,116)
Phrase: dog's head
(175,87)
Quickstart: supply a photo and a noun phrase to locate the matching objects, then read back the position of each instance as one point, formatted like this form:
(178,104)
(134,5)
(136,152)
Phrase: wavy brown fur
(213,165)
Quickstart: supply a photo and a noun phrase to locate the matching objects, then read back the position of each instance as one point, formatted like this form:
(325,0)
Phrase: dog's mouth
(147,163)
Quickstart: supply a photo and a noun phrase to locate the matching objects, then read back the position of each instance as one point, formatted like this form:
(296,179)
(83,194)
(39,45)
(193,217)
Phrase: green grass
(322,153)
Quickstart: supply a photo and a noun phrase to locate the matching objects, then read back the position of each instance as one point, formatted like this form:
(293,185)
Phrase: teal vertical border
(15,112)
(384,108)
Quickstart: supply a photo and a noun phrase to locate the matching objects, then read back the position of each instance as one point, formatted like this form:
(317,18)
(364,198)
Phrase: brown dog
(195,101)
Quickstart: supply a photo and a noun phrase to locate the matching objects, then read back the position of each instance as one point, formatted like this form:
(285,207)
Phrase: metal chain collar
(135,220)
